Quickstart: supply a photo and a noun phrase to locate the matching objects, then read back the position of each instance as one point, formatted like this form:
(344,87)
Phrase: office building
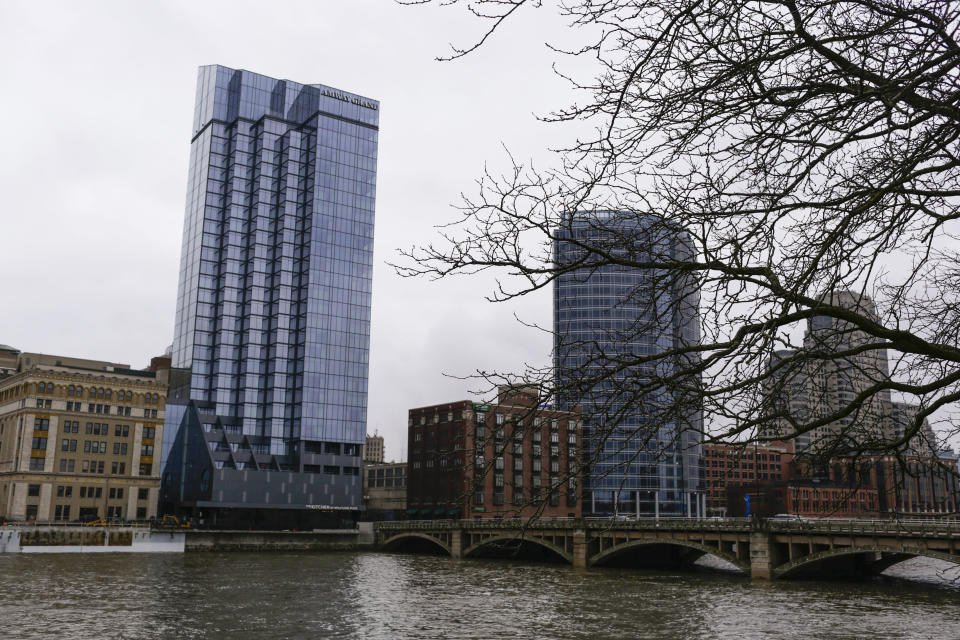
(811,387)
(808,387)
(373,449)
(269,395)
(641,440)
(754,467)
(79,439)
(510,459)
(385,490)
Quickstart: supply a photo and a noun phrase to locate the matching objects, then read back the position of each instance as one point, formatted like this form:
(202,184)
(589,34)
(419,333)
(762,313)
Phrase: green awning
(439,512)
(413,511)
(453,512)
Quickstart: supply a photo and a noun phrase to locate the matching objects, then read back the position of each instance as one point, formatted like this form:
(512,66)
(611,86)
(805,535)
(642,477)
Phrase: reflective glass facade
(640,454)
(273,308)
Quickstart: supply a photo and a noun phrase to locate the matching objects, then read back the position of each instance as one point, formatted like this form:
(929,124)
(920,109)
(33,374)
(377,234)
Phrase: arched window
(156,399)
(41,387)
(129,396)
(100,393)
(79,392)
(109,393)
(70,391)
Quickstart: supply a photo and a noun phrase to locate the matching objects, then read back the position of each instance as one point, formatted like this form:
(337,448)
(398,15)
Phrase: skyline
(68,161)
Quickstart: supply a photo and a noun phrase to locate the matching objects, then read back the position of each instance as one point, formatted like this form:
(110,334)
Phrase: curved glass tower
(616,332)
(268,405)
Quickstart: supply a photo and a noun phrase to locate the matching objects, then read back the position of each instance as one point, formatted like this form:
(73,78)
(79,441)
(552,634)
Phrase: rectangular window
(86,446)
(36,464)
(333,470)
(86,466)
(33,490)
(146,450)
(146,469)
(143,494)
(141,513)
(150,432)
(99,466)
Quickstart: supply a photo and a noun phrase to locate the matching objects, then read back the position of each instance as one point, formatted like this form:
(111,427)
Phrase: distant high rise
(373,449)
(268,411)
(640,453)
(811,387)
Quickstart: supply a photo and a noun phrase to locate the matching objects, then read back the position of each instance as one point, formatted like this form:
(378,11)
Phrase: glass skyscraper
(641,439)
(268,404)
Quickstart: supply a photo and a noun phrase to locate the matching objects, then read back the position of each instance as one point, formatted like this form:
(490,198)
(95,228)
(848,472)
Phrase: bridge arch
(568,557)
(888,558)
(608,554)
(393,542)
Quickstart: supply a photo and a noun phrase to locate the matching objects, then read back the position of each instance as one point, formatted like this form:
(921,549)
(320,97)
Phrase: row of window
(98,393)
(331,469)
(98,466)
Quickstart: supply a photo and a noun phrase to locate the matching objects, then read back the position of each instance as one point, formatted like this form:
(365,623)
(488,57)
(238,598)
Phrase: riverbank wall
(143,540)
(319,540)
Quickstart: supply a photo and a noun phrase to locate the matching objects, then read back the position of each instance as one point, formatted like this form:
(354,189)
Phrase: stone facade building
(385,491)
(373,449)
(79,439)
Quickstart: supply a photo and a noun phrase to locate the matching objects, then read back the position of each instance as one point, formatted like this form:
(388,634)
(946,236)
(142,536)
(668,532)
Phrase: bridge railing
(594,524)
(936,528)
(831,526)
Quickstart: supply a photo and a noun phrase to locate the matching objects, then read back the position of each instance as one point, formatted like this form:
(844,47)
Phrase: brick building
(79,439)
(727,465)
(778,481)
(511,459)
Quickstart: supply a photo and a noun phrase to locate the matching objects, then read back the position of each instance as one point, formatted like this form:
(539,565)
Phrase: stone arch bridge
(766,549)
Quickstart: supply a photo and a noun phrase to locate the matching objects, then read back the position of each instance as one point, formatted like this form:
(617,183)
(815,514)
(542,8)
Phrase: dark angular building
(641,443)
(267,410)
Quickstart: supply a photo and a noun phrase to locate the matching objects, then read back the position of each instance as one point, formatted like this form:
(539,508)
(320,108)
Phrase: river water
(369,595)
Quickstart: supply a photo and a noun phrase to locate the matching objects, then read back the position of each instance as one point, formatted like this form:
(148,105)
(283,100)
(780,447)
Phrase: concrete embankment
(30,539)
(321,540)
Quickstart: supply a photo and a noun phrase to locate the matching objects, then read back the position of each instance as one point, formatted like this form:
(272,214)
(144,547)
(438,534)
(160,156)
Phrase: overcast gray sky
(97,109)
